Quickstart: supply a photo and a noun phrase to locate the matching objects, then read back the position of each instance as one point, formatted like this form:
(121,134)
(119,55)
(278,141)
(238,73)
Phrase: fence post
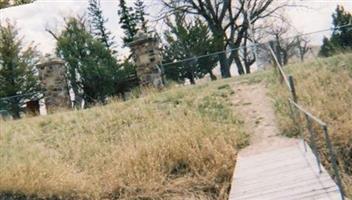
(312,139)
(274,46)
(276,61)
(162,70)
(296,116)
(333,161)
(292,88)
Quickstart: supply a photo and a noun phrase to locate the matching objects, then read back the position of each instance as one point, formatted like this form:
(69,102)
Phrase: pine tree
(187,40)
(18,82)
(93,72)
(98,21)
(341,38)
(327,49)
(89,62)
(140,15)
(127,21)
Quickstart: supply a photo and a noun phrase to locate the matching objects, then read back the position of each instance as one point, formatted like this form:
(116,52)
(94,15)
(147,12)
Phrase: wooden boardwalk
(288,172)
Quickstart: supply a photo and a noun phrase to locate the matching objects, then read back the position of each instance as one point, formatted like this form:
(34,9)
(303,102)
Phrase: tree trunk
(277,50)
(284,58)
(191,78)
(238,63)
(15,110)
(212,76)
(77,103)
(224,66)
(301,53)
(16,115)
(248,68)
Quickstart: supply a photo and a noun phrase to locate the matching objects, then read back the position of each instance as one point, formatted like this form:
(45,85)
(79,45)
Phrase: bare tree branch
(52,33)
(229,21)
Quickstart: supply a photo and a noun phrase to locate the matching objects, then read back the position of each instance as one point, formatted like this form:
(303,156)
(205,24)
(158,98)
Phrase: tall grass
(324,87)
(178,144)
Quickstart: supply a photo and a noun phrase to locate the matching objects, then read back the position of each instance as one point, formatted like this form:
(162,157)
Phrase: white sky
(32,19)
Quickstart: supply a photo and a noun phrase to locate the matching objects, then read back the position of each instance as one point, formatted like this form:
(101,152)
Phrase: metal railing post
(333,161)
(312,139)
(292,88)
(296,115)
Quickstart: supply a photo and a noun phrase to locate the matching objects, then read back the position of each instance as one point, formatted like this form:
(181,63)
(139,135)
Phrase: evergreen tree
(187,40)
(93,72)
(18,82)
(341,38)
(140,15)
(327,49)
(127,21)
(98,21)
(90,65)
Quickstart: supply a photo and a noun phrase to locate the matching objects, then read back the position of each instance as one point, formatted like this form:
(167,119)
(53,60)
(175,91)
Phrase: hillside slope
(177,144)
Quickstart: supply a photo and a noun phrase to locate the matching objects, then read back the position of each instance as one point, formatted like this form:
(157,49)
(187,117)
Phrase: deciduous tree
(227,21)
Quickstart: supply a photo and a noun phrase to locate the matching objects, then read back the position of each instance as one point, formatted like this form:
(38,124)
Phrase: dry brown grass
(178,144)
(324,87)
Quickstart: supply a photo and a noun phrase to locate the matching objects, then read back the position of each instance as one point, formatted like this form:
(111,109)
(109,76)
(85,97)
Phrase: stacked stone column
(147,56)
(52,75)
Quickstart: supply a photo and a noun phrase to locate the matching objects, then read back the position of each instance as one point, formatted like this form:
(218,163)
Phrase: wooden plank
(284,173)
(277,183)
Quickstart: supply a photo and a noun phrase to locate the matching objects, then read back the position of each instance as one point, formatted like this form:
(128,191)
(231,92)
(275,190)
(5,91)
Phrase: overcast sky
(32,19)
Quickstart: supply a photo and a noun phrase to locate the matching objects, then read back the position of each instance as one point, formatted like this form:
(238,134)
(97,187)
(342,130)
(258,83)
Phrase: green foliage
(128,21)
(140,15)
(341,38)
(327,49)
(97,22)
(17,71)
(187,40)
(92,71)
(132,19)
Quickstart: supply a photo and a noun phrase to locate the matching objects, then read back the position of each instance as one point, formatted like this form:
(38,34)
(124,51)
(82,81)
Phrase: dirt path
(256,109)
(272,166)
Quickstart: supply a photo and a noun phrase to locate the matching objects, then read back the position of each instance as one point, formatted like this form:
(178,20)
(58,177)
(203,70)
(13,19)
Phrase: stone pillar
(52,76)
(147,56)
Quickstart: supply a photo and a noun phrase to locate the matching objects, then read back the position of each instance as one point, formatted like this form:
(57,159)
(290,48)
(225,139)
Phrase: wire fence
(243,59)
(195,66)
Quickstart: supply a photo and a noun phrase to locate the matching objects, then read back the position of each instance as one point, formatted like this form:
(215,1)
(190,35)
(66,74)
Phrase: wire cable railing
(296,111)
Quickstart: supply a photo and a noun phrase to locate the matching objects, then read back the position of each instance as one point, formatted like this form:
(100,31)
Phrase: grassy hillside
(324,87)
(177,144)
